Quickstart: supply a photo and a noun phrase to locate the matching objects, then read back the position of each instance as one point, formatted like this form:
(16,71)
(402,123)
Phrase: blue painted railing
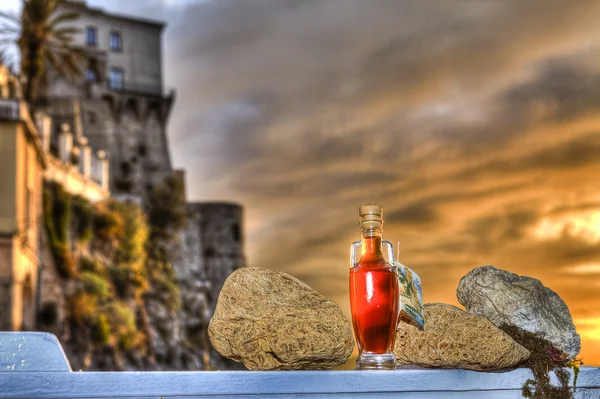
(34,366)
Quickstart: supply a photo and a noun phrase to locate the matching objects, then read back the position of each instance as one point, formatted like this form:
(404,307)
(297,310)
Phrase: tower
(221,227)
(119,101)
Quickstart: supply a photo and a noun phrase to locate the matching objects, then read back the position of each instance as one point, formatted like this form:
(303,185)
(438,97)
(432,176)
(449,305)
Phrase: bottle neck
(371,244)
(371,228)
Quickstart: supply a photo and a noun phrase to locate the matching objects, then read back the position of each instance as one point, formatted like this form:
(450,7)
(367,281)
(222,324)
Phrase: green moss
(122,321)
(106,224)
(57,219)
(121,316)
(82,308)
(121,280)
(102,332)
(62,213)
(84,219)
(95,285)
(91,265)
(132,236)
(63,259)
(167,207)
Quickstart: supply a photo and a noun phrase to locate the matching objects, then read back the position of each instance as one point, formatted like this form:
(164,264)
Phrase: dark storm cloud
(575,153)
(501,227)
(424,210)
(419,212)
(473,122)
(561,89)
(578,152)
(565,85)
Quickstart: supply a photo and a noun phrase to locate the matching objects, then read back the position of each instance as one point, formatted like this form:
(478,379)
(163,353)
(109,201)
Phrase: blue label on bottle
(411,296)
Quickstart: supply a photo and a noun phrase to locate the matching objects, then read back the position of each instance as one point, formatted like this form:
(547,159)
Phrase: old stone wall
(210,248)
(221,230)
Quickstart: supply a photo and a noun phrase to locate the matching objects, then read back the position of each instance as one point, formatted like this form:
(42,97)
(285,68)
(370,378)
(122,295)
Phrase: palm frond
(45,44)
(66,60)
(72,67)
(61,41)
(65,31)
(62,18)
(54,63)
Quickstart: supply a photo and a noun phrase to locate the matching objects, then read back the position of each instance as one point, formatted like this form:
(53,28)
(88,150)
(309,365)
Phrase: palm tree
(44,40)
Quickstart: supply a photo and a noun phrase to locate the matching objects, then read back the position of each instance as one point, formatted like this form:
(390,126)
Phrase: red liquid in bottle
(374,300)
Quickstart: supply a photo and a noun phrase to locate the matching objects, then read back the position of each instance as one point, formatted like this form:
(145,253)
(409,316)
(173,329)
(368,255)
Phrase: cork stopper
(370,210)
(371,217)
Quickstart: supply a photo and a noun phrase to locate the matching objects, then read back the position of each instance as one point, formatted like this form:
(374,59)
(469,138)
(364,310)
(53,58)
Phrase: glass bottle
(373,294)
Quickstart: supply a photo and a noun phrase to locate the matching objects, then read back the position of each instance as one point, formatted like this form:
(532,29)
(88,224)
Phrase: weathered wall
(20,200)
(210,248)
(8,176)
(140,57)
(221,233)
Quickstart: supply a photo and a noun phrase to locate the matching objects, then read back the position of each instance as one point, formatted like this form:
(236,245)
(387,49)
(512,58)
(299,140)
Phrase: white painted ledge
(61,383)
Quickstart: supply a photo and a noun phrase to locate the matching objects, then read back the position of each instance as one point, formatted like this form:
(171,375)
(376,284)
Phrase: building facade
(25,163)
(22,163)
(119,100)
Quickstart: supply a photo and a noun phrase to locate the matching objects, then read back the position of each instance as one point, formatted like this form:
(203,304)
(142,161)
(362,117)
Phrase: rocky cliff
(117,288)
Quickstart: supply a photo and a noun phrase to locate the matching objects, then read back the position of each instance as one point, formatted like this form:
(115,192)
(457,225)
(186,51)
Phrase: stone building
(121,104)
(119,101)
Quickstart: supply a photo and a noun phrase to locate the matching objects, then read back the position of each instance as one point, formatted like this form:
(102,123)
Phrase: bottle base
(375,361)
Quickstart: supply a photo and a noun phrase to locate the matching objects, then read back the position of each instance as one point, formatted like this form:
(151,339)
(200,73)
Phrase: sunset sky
(474,123)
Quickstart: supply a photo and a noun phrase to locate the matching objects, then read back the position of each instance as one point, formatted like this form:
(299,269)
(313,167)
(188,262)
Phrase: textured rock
(506,298)
(272,321)
(454,338)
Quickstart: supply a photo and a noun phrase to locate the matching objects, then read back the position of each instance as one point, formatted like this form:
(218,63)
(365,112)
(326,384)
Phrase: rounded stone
(453,338)
(524,302)
(272,321)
